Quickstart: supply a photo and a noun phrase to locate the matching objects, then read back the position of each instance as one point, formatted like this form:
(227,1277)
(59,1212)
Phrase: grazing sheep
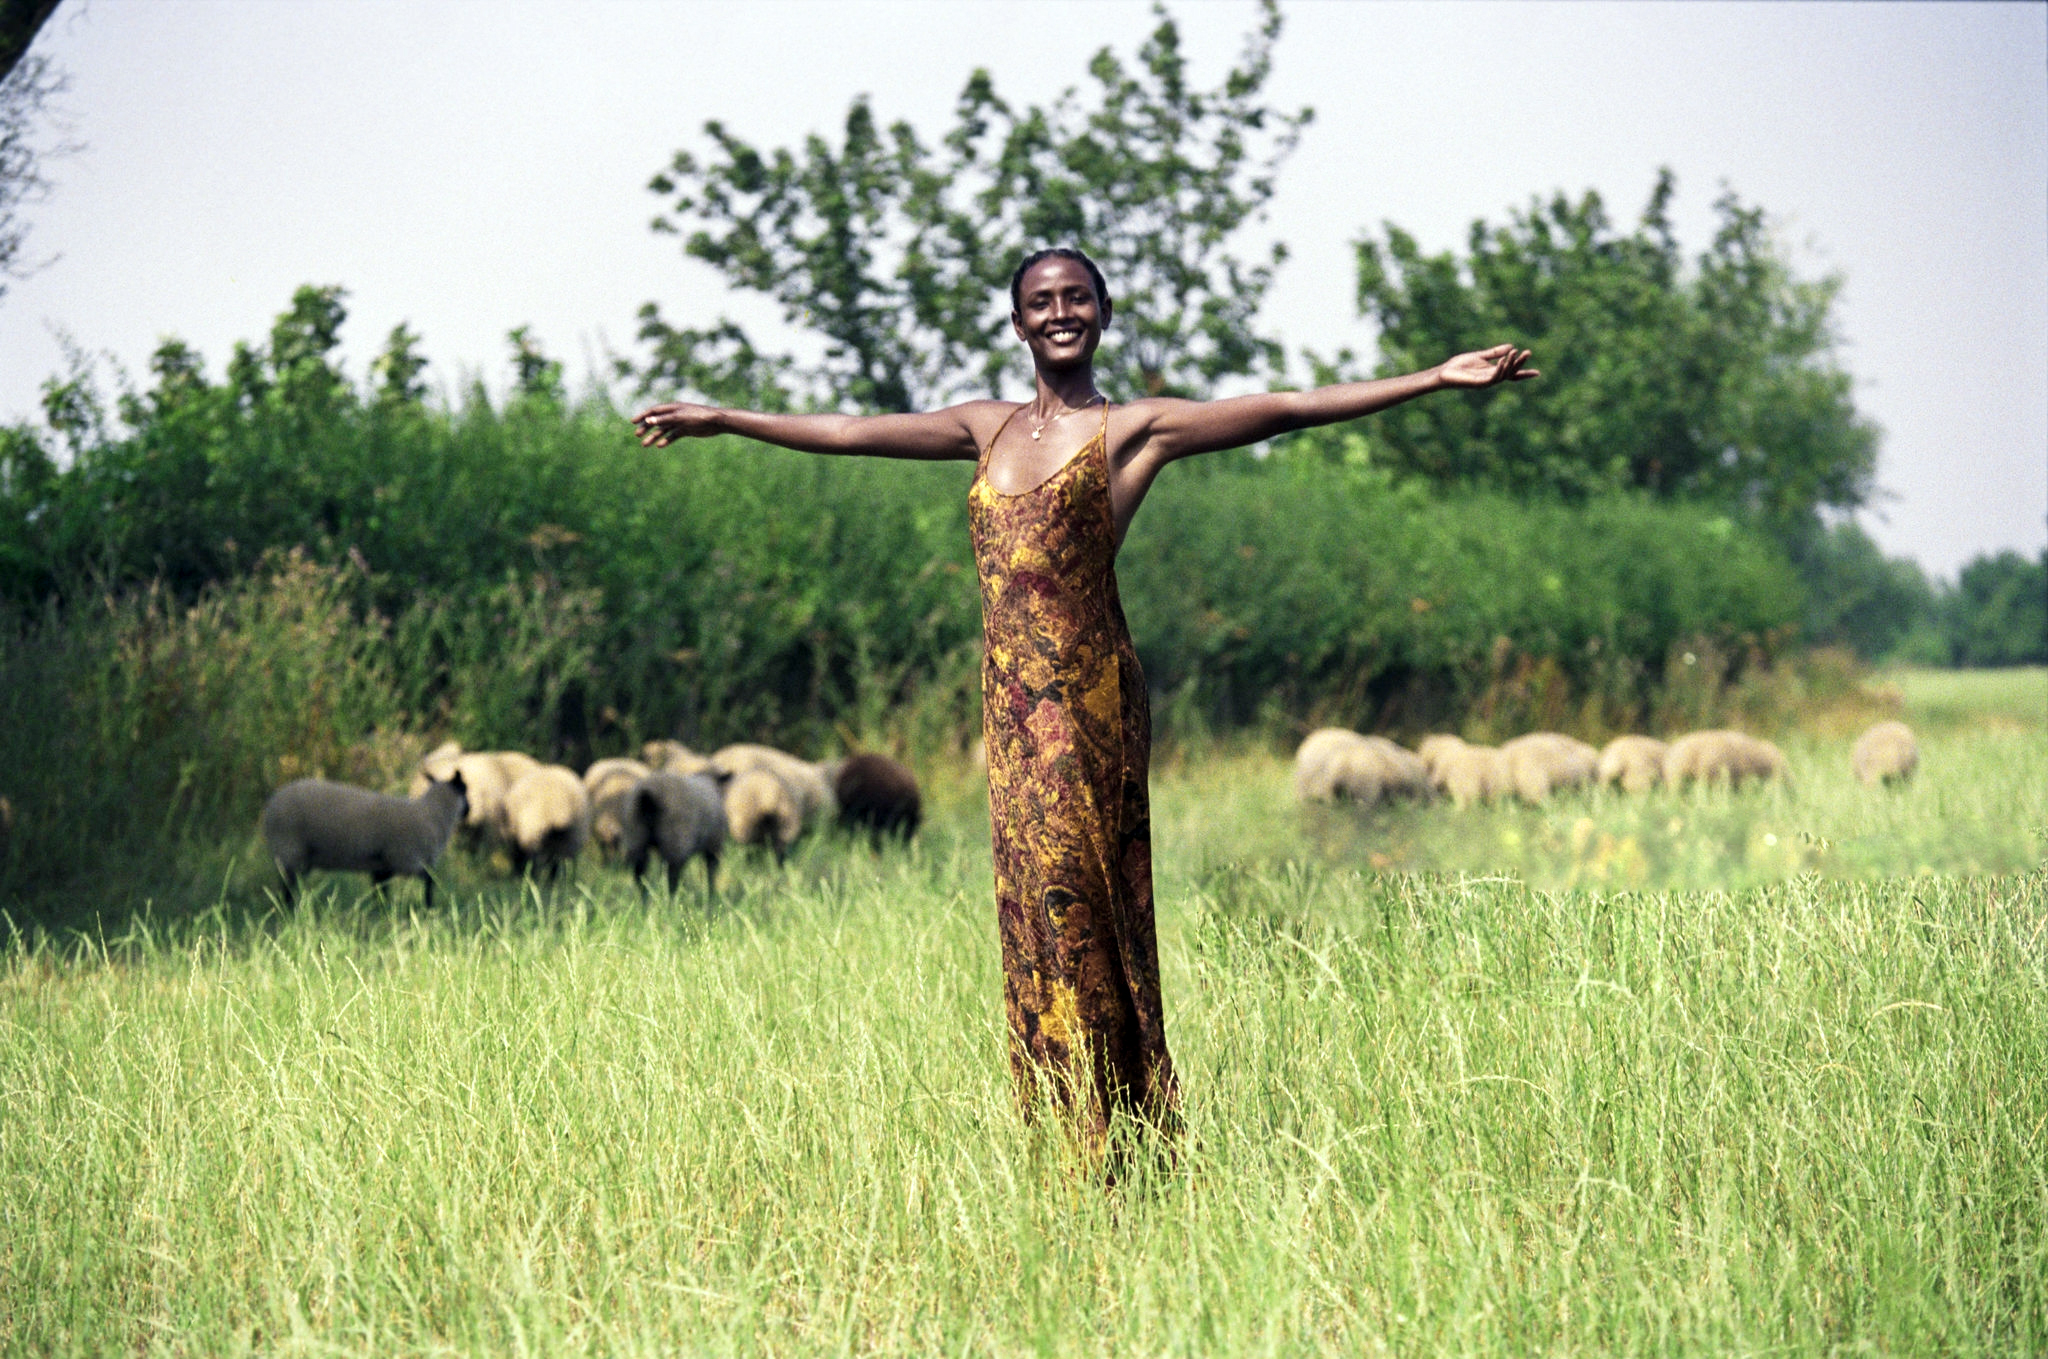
(489,774)
(485,779)
(1635,763)
(1887,753)
(680,818)
(515,764)
(547,819)
(608,782)
(878,795)
(1721,756)
(311,823)
(805,781)
(760,809)
(1432,750)
(1403,772)
(1545,762)
(1472,774)
(673,757)
(1333,764)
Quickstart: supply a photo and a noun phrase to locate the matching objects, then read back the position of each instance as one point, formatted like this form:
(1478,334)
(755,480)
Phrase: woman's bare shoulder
(982,418)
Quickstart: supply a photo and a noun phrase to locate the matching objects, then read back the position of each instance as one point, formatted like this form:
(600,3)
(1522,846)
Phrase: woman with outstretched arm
(1068,729)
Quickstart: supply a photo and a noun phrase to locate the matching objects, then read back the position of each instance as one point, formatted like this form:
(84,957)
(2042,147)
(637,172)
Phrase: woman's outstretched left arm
(1179,429)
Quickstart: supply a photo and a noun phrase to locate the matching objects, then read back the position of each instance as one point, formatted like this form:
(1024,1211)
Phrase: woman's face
(1059,317)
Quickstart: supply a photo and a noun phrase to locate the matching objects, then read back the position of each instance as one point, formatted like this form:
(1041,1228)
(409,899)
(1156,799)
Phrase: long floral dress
(1069,737)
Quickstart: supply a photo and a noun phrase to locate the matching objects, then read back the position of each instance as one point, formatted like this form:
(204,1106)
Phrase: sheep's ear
(456,782)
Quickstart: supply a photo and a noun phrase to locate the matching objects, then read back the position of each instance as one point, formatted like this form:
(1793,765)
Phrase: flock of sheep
(672,803)
(677,805)
(1338,765)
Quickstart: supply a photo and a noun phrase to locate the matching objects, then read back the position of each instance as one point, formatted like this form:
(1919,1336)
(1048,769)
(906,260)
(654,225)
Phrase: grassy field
(1696,1074)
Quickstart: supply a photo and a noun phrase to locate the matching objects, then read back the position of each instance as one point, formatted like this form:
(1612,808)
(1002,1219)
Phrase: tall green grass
(1420,1115)
(1451,1111)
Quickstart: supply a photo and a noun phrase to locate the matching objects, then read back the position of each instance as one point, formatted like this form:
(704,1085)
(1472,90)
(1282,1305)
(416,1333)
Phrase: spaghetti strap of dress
(981,466)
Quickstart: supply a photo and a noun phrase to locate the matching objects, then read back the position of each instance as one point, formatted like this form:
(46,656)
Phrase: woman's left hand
(1485,367)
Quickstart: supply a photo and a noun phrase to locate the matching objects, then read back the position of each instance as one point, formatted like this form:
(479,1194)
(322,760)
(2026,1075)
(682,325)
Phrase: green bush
(276,575)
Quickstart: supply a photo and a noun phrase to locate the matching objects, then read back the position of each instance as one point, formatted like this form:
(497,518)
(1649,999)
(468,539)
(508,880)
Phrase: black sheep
(879,795)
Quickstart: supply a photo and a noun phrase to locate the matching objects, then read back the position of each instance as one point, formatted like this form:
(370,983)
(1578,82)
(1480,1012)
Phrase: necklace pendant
(1034,434)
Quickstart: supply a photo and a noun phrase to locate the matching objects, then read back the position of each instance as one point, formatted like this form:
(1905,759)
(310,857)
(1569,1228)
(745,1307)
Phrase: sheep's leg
(675,876)
(427,887)
(291,885)
(711,873)
(639,875)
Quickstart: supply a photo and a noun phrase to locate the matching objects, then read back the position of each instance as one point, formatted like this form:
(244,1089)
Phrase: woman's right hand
(659,426)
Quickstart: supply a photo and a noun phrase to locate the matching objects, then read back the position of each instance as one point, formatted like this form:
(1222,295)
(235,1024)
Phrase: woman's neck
(1065,391)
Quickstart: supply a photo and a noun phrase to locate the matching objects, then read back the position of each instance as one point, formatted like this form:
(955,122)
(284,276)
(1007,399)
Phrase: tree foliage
(1998,612)
(897,251)
(25,91)
(1716,383)
(1857,597)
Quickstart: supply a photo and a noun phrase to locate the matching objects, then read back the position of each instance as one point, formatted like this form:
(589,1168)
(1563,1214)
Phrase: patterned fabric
(1069,735)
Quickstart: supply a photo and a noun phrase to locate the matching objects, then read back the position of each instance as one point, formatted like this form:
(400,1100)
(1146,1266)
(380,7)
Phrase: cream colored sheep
(806,781)
(1403,774)
(485,779)
(1721,756)
(608,782)
(1545,762)
(760,810)
(1472,774)
(516,764)
(673,757)
(547,819)
(1432,751)
(311,823)
(489,773)
(1887,753)
(1633,763)
(1336,765)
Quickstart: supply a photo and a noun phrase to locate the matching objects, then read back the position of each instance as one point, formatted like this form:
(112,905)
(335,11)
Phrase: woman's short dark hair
(1064,252)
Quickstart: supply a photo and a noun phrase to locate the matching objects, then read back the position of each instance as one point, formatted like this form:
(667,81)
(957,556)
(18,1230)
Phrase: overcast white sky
(467,167)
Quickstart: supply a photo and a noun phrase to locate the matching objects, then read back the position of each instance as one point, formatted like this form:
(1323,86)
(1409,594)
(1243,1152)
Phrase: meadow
(1697,1073)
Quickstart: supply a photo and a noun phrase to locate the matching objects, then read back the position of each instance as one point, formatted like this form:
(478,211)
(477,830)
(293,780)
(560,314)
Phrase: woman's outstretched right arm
(942,434)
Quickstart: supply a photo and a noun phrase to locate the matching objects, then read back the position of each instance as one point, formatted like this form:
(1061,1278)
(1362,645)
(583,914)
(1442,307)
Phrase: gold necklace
(1044,425)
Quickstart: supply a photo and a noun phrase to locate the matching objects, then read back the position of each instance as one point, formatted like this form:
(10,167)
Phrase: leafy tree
(301,343)
(27,84)
(536,376)
(396,371)
(1716,383)
(1998,611)
(898,252)
(1856,596)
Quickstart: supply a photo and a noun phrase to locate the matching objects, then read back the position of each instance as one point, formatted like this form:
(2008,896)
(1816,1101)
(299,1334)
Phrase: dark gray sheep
(312,824)
(680,817)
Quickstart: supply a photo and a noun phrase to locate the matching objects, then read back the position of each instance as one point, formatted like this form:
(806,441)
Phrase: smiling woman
(1065,709)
